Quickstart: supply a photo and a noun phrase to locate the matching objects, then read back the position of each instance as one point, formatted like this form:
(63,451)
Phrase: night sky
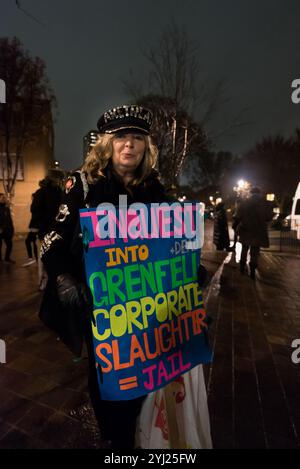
(89,46)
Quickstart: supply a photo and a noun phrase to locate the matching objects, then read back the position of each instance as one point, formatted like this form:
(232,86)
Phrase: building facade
(37,158)
(88,140)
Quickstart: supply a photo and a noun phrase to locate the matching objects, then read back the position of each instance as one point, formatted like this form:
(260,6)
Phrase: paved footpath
(253,386)
(43,390)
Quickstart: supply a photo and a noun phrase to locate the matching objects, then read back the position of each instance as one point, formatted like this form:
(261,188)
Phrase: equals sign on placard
(128,383)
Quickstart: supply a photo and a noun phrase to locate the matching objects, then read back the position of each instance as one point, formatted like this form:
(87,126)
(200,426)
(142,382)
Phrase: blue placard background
(126,361)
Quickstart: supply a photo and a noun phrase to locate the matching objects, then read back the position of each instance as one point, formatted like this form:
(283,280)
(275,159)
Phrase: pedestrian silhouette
(251,219)
(221,235)
(6,228)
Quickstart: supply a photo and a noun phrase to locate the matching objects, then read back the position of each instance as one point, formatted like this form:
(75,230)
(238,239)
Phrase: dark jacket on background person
(221,235)
(251,220)
(44,207)
(6,223)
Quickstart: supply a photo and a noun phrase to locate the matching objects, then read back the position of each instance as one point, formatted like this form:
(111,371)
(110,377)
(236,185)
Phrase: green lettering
(148,278)
(131,281)
(103,288)
(114,281)
(176,268)
(159,274)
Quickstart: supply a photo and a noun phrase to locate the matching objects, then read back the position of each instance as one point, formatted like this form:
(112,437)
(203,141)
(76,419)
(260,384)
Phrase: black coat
(62,250)
(6,223)
(252,216)
(221,235)
(44,207)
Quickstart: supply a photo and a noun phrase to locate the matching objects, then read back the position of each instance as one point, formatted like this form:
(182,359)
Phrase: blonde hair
(101,154)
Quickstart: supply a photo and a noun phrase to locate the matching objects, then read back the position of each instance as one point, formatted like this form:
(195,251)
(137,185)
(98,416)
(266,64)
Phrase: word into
(2,351)
(2,92)
(295,97)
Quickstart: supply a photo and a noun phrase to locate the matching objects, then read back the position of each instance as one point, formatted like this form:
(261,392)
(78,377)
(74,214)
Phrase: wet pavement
(253,386)
(43,389)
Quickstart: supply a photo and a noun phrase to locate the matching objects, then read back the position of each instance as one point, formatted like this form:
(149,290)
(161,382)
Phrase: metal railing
(284,241)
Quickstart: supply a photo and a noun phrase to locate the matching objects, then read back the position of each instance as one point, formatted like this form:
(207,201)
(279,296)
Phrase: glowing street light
(242,188)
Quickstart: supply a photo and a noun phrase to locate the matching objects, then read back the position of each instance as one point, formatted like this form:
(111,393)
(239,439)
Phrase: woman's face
(128,151)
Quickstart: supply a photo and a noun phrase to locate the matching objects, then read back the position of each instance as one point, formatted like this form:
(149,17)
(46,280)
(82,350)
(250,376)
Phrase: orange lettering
(150,355)
(103,358)
(116,355)
(136,350)
(161,338)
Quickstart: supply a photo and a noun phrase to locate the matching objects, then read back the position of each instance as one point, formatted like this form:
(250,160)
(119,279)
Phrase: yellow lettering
(107,331)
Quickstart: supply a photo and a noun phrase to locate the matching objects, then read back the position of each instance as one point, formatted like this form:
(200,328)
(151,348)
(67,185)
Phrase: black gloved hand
(202,275)
(75,295)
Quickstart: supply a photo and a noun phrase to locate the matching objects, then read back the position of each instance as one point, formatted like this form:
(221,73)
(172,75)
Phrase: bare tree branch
(23,116)
(19,6)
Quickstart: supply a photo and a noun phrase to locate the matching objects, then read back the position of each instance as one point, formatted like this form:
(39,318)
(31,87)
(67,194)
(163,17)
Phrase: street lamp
(241,184)
(242,188)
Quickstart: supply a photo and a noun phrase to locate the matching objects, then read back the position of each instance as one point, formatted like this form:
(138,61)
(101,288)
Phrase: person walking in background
(251,219)
(235,223)
(31,244)
(6,229)
(47,200)
(44,207)
(31,239)
(221,235)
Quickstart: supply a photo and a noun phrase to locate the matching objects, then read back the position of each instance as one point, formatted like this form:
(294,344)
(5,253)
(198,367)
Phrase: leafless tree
(182,101)
(274,165)
(26,12)
(29,97)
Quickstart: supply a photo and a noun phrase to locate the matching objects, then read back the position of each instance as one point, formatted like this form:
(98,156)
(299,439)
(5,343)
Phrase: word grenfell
(2,92)
(140,221)
(2,351)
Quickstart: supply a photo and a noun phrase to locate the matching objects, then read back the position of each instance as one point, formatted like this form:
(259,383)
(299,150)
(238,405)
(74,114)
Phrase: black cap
(133,117)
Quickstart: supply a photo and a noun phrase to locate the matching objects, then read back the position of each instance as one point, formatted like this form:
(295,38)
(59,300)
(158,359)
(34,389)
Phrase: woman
(121,163)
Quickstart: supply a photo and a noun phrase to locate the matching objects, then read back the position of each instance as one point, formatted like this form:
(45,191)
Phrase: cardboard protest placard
(142,271)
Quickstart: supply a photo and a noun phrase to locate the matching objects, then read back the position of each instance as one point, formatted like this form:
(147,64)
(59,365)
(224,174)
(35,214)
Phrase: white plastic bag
(176,417)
